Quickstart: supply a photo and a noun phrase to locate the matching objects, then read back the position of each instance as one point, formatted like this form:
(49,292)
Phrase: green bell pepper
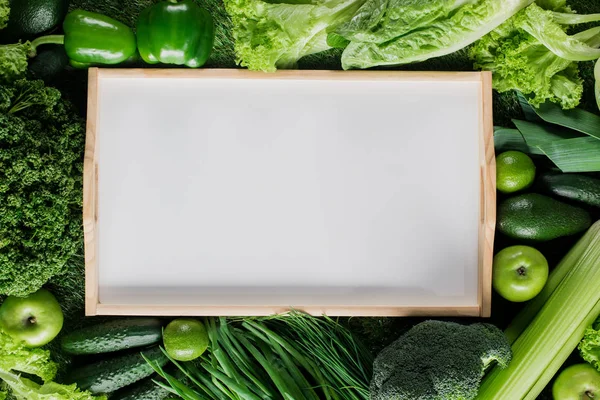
(175,32)
(92,39)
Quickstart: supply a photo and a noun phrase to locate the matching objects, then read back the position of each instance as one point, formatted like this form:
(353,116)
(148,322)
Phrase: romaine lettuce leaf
(540,24)
(554,5)
(446,35)
(378,21)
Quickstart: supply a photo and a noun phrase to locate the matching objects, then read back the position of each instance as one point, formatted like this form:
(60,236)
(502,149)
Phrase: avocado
(575,187)
(49,63)
(537,217)
(29,18)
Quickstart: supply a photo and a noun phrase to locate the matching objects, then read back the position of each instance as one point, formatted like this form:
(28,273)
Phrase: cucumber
(112,374)
(113,336)
(580,188)
(142,390)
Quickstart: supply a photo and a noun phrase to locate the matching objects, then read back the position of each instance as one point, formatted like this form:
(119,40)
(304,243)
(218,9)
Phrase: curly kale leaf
(41,162)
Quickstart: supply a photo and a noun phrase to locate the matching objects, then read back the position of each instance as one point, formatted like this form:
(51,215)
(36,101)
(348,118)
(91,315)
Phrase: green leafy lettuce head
(270,35)
(520,62)
(589,347)
(533,53)
(41,161)
(17,359)
(13,61)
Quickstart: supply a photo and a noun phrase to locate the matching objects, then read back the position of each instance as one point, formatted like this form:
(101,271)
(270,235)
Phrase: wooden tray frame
(93,306)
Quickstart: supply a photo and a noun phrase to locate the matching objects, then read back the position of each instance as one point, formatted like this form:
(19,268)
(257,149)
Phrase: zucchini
(113,336)
(117,372)
(580,188)
(142,390)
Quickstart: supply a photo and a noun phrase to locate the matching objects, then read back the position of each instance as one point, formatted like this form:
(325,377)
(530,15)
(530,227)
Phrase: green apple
(577,382)
(519,273)
(34,320)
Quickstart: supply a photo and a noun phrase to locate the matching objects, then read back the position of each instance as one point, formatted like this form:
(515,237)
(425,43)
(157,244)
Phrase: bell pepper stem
(49,39)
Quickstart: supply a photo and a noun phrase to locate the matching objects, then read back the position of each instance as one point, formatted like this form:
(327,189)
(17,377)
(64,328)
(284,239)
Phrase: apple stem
(589,395)
(521,271)
(31,320)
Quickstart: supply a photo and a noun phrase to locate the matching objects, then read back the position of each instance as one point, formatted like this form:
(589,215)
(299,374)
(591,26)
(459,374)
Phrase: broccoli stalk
(438,360)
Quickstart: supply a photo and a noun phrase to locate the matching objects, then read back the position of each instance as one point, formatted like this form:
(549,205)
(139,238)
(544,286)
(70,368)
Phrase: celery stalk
(561,357)
(526,315)
(556,329)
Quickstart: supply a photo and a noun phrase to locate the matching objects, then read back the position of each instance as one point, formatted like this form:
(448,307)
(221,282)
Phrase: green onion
(291,357)
(556,329)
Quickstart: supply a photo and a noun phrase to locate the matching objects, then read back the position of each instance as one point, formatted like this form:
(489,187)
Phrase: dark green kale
(42,142)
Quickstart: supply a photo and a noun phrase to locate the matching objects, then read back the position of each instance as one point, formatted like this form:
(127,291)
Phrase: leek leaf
(541,134)
(576,119)
(528,110)
(511,139)
(574,155)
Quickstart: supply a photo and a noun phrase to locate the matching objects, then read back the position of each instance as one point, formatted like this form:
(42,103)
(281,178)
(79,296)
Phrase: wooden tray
(229,192)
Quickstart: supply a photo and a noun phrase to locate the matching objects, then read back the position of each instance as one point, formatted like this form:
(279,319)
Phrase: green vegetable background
(375,332)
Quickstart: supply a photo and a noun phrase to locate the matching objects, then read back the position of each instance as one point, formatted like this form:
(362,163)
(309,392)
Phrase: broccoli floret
(438,360)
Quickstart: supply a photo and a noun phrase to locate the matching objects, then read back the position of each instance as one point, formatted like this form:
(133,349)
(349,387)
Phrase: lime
(514,171)
(185,339)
